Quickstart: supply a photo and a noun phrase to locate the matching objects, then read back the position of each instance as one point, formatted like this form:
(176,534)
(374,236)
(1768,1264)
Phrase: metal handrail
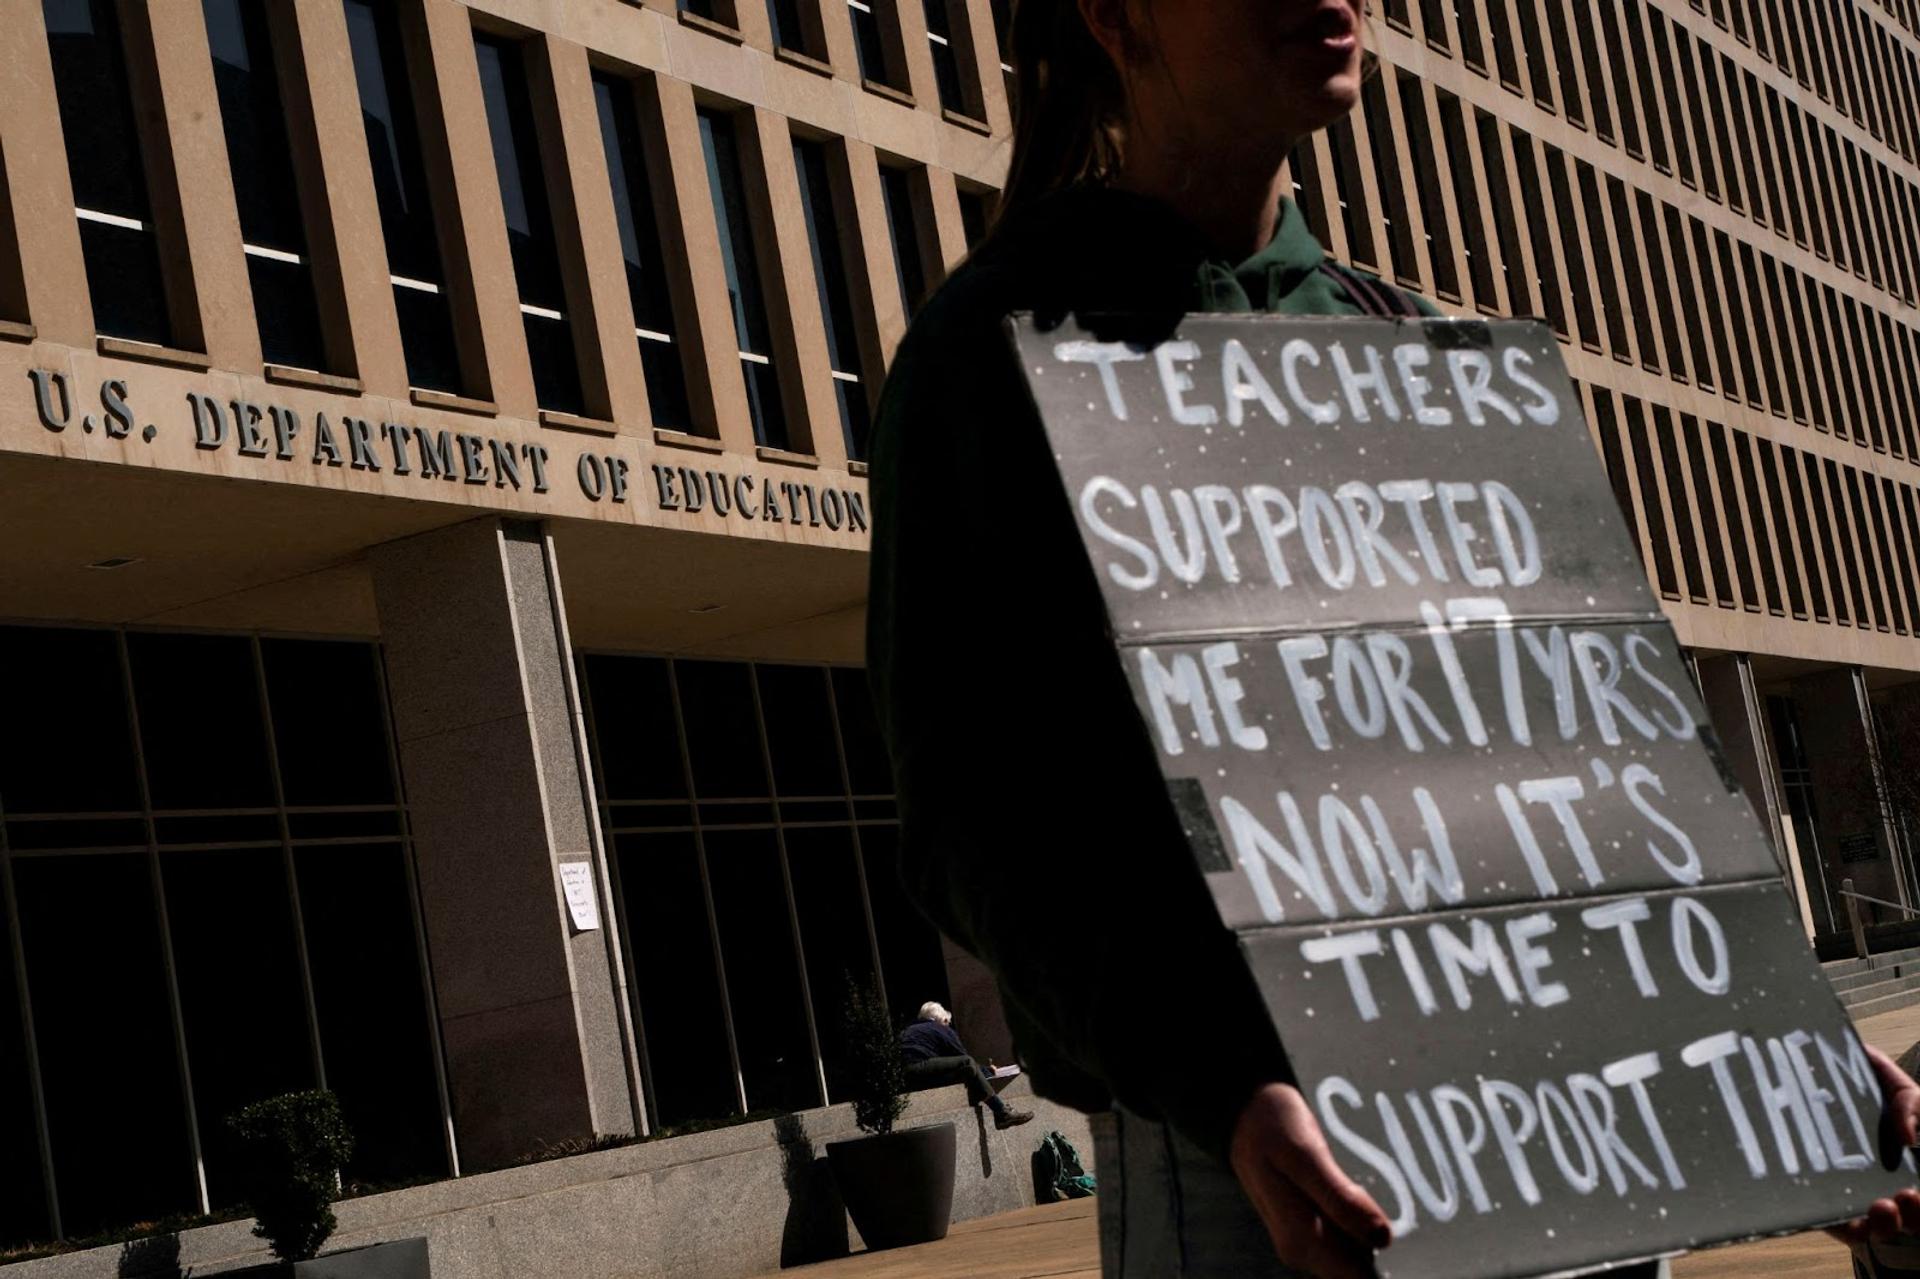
(1908,911)
(1858,926)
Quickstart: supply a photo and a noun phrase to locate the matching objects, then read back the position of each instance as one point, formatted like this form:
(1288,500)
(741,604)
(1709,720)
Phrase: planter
(400,1259)
(898,1188)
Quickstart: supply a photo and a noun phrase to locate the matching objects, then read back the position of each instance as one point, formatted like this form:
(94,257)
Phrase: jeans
(936,1072)
(1169,1211)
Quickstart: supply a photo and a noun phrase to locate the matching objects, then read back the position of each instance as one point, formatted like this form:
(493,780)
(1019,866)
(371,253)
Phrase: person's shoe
(1011,1118)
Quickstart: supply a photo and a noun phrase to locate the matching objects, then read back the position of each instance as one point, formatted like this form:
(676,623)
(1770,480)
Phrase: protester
(936,1057)
(1145,179)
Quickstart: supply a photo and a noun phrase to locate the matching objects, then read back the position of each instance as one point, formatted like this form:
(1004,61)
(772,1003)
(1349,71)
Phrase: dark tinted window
(23,1210)
(744,288)
(867,40)
(400,183)
(670,947)
(109,176)
(530,232)
(265,185)
(645,254)
(836,301)
(364,950)
(238,969)
(946,61)
(903,226)
(105,1036)
(756,733)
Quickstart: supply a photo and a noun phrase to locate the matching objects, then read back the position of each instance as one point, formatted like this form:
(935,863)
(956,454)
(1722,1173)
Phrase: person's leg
(939,1071)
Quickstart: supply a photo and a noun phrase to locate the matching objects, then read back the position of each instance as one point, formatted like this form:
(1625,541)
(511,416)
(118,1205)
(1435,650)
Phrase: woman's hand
(1319,1218)
(1899,1131)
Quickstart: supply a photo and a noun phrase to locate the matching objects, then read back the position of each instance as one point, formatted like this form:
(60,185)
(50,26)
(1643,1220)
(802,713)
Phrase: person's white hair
(932,1011)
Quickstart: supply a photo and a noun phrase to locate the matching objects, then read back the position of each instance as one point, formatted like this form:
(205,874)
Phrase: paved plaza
(1059,1241)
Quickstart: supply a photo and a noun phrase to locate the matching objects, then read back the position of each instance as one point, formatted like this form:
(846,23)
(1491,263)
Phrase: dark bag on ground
(1058,1173)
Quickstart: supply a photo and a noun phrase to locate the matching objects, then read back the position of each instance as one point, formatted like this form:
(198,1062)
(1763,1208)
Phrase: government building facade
(433,547)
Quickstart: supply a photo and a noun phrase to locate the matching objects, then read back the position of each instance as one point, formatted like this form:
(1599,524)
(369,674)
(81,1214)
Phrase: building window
(790,27)
(903,229)
(406,200)
(1003,36)
(744,287)
(110,181)
(645,253)
(265,186)
(870,42)
(976,213)
(817,202)
(1799,794)
(530,229)
(946,58)
(750,814)
(290,854)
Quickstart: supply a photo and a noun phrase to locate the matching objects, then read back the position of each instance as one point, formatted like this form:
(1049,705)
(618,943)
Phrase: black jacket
(1035,828)
(925,1040)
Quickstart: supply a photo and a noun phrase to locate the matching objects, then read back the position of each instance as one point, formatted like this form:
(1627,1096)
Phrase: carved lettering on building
(277,434)
(746,496)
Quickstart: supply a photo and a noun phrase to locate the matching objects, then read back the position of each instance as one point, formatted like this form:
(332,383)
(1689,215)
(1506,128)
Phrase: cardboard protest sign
(1434,746)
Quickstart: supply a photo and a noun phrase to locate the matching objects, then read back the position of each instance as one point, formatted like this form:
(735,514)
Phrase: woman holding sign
(1145,180)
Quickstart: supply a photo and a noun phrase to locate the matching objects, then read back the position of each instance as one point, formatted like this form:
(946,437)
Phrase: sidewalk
(1060,1241)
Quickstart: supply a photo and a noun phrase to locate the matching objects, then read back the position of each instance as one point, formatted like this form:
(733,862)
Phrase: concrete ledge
(733,1202)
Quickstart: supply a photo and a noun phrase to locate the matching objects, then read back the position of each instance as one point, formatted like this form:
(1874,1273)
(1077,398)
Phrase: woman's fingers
(1317,1217)
(1900,1108)
(1907,1202)
(1852,1233)
(1301,1236)
(1345,1202)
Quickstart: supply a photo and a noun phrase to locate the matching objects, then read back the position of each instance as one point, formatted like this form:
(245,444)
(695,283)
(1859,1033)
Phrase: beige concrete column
(478,261)
(786,268)
(943,232)
(589,238)
(346,212)
(192,186)
(922,83)
(836,27)
(981,38)
(1856,836)
(716,389)
(53,272)
(534,1015)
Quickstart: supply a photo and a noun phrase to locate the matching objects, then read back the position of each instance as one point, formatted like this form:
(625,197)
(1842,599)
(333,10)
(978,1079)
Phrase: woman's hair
(1068,103)
(931,1011)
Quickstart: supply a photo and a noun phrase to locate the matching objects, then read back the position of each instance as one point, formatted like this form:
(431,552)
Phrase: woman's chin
(1327,101)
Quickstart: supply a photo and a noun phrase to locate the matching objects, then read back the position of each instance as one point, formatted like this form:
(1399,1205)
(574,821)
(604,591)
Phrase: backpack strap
(1373,297)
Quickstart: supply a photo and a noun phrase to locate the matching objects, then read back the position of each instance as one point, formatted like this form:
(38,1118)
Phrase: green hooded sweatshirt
(1035,828)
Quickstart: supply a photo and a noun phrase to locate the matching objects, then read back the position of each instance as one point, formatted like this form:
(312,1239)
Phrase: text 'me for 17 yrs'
(1435,749)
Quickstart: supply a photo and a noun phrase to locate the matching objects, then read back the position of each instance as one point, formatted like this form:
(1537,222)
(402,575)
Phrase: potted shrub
(291,1149)
(897,1185)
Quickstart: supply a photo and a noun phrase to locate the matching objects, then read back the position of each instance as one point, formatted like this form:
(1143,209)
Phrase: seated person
(935,1056)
